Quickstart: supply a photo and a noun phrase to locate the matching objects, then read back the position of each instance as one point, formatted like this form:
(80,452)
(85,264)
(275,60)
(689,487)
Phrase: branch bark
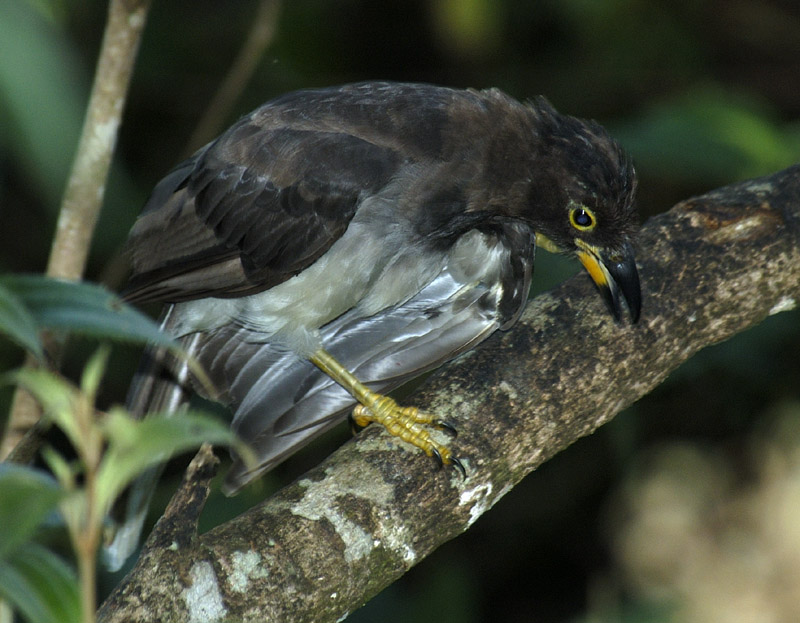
(711,267)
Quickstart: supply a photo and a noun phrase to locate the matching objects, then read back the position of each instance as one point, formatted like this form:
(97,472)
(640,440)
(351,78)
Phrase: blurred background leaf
(702,92)
(27,496)
(710,135)
(79,308)
(43,92)
(136,445)
(17,323)
(40,585)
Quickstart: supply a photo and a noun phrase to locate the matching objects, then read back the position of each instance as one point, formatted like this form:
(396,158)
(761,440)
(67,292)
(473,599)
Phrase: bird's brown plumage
(392,225)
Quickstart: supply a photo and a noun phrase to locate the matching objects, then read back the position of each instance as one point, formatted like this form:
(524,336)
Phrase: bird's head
(581,201)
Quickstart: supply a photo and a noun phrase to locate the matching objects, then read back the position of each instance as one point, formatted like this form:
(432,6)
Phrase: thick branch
(711,267)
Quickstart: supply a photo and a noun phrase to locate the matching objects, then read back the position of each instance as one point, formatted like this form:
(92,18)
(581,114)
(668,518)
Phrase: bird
(337,242)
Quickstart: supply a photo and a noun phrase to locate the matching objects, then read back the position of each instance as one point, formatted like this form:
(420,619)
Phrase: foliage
(32,303)
(110,449)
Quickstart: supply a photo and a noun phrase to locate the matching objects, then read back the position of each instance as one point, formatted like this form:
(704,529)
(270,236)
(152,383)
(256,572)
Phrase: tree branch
(711,267)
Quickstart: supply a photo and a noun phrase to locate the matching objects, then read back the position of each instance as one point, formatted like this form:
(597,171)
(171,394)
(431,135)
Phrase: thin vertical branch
(251,52)
(86,185)
(85,189)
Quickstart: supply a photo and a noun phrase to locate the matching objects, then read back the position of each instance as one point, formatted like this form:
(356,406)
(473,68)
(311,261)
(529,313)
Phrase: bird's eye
(582,219)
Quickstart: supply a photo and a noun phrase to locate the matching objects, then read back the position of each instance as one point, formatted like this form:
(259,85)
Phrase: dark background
(631,524)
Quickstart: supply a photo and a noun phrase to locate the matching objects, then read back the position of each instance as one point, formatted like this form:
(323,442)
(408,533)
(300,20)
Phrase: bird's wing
(273,193)
(281,401)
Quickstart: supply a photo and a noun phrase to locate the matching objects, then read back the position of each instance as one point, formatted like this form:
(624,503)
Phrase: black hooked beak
(615,276)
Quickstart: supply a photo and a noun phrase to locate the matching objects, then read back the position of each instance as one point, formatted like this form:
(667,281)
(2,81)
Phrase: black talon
(459,466)
(354,427)
(447,427)
(437,457)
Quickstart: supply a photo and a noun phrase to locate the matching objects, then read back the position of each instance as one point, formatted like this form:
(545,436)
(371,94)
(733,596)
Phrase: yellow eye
(582,219)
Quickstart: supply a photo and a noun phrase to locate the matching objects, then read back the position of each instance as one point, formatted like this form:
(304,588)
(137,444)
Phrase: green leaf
(65,472)
(708,134)
(135,445)
(17,322)
(83,308)
(93,372)
(27,495)
(58,398)
(43,86)
(40,585)
(89,309)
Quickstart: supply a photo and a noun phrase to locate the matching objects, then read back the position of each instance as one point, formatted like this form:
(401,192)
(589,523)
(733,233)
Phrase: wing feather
(275,215)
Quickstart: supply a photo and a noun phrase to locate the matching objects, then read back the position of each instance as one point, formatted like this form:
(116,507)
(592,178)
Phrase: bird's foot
(409,424)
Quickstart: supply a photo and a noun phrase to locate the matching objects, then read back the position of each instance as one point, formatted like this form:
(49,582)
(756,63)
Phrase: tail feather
(160,385)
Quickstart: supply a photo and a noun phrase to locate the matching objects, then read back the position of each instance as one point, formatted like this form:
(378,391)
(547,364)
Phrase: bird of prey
(337,242)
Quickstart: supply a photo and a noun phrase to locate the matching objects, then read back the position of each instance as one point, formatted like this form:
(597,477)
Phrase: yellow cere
(593,267)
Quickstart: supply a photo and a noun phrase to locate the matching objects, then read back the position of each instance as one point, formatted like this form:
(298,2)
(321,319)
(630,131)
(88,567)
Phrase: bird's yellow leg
(407,423)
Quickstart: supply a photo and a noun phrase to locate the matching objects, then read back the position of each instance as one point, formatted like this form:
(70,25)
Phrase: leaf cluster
(109,449)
